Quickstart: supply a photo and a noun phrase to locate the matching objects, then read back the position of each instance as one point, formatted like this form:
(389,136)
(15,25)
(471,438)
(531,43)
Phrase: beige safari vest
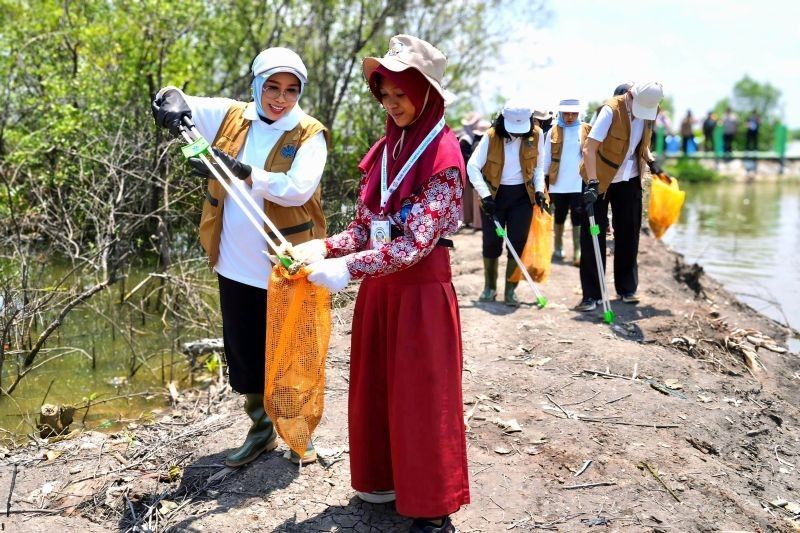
(557,146)
(612,151)
(495,159)
(298,224)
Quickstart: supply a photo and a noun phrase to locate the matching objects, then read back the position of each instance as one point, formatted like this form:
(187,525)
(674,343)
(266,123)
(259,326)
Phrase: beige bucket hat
(406,51)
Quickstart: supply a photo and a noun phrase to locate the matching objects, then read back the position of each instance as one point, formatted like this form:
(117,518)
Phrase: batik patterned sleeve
(356,235)
(434,213)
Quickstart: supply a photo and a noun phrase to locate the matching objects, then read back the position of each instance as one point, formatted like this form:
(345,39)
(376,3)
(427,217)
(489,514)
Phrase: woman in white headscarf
(278,152)
(562,158)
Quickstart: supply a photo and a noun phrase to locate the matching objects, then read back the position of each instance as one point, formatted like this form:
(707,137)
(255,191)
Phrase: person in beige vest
(616,156)
(562,157)
(278,153)
(507,173)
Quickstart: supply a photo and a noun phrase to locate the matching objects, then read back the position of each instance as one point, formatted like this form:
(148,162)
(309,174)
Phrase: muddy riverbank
(683,418)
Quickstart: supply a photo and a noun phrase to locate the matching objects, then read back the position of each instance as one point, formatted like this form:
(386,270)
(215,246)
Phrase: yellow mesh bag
(298,333)
(666,200)
(538,251)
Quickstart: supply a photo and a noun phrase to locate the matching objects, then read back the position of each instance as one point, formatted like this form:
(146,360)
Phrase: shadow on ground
(270,472)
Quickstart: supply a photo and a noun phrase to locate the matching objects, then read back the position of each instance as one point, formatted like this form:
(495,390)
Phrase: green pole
(718,145)
(660,141)
(780,140)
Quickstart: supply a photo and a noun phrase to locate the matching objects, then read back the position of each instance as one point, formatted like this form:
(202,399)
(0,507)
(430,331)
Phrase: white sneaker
(379,496)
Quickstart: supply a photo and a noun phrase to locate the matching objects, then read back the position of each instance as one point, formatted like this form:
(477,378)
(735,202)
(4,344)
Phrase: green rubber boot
(509,298)
(558,242)
(576,246)
(261,437)
(309,457)
(489,280)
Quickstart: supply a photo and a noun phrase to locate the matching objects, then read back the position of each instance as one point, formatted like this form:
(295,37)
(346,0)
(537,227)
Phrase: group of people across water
(405,416)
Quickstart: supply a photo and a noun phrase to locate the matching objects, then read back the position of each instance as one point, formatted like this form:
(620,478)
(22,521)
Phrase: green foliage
(84,166)
(748,95)
(689,170)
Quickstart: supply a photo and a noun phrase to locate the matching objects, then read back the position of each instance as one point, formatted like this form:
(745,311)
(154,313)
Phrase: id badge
(380,233)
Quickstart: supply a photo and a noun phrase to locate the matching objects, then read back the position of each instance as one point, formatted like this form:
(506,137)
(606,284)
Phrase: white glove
(309,252)
(329,273)
(305,253)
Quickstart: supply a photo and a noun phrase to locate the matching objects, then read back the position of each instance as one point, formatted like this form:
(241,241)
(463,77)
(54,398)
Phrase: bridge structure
(750,158)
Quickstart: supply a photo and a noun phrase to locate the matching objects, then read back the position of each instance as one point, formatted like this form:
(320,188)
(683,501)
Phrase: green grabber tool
(594,229)
(198,147)
(541,301)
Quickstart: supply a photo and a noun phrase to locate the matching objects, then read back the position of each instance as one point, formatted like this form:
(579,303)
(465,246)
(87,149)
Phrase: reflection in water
(746,236)
(109,341)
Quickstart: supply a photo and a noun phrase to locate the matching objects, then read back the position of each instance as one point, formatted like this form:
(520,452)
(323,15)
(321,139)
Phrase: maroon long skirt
(406,419)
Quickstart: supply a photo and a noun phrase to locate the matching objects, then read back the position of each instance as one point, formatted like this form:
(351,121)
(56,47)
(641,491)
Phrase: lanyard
(386,192)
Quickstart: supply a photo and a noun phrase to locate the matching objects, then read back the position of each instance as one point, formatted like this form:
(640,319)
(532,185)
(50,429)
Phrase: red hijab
(443,152)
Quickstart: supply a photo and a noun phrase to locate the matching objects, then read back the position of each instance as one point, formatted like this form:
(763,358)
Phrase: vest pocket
(555,150)
(614,144)
(208,223)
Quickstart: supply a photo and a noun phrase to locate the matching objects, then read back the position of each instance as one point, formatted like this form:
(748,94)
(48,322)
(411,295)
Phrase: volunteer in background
(562,157)
(616,155)
(507,172)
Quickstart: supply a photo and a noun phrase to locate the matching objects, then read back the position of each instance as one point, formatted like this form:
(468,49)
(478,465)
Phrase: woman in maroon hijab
(406,421)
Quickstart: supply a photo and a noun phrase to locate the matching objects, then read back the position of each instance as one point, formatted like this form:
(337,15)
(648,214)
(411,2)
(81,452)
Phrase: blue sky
(698,49)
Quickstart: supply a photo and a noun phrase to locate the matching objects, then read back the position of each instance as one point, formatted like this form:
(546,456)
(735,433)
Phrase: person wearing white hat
(506,170)
(543,119)
(616,157)
(278,153)
(562,157)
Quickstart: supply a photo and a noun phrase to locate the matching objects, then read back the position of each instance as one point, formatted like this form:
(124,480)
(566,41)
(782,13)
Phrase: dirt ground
(656,425)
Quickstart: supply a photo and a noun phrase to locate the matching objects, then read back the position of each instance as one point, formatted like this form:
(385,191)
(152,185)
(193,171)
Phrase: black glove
(169,109)
(654,167)
(488,206)
(541,201)
(591,193)
(239,169)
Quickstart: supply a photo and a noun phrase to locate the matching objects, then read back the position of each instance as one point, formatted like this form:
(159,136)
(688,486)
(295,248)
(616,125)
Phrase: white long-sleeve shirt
(241,245)
(512,171)
(569,179)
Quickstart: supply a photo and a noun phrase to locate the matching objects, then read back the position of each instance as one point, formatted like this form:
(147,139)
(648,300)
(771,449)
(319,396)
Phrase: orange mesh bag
(666,201)
(298,333)
(538,251)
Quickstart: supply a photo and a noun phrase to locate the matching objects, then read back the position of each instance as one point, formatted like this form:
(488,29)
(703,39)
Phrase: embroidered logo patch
(288,151)
(396,49)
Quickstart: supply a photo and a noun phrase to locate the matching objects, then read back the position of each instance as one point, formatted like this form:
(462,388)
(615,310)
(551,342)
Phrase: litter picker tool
(541,301)
(198,147)
(594,230)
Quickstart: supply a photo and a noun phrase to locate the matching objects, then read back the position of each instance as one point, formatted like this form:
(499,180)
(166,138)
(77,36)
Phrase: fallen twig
(584,401)
(606,374)
(618,399)
(781,460)
(583,468)
(559,407)
(590,485)
(702,445)
(654,472)
(621,423)
(14,481)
